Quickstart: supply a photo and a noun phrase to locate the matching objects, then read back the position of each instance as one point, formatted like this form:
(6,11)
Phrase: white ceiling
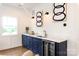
(28,6)
(24,6)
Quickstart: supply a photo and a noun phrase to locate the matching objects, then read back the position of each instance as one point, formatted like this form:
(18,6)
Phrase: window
(9,25)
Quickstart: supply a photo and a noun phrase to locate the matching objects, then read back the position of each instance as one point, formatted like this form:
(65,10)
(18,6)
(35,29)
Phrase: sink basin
(41,36)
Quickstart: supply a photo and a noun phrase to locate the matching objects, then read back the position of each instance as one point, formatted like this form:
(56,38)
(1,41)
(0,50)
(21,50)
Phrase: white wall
(73,28)
(23,21)
(56,29)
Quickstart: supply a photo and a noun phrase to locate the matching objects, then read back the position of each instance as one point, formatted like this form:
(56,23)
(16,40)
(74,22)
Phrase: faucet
(45,34)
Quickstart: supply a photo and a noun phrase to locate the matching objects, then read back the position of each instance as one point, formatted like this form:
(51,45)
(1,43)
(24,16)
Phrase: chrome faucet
(45,34)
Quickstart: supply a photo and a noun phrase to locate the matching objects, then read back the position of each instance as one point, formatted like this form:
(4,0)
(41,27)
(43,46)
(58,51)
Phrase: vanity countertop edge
(51,39)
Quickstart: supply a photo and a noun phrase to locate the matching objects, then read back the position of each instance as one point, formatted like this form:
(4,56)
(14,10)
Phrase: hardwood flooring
(18,51)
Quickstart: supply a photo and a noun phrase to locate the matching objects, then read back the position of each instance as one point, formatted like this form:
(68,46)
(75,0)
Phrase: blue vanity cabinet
(44,47)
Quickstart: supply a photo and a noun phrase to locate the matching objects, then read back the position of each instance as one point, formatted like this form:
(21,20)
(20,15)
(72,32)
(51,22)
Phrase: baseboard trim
(10,48)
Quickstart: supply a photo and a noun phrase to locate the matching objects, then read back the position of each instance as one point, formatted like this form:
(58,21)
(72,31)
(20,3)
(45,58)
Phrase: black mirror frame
(40,21)
(59,13)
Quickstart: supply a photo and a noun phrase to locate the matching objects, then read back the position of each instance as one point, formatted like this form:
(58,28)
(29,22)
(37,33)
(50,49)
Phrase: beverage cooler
(48,48)
(51,49)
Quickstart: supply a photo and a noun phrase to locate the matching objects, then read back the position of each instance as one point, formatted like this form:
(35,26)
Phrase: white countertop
(55,39)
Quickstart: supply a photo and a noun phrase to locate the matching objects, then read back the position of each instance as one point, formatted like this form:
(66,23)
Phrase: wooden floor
(13,52)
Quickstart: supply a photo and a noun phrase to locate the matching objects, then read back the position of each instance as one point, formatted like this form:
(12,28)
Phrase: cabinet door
(61,49)
(51,48)
(30,39)
(46,43)
(40,47)
(37,46)
(35,43)
(23,40)
(28,42)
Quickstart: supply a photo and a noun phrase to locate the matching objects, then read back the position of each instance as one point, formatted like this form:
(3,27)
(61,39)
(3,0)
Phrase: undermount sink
(41,36)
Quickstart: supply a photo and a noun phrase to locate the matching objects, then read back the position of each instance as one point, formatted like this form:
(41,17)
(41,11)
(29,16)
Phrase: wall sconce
(64,24)
(47,13)
(33,17)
